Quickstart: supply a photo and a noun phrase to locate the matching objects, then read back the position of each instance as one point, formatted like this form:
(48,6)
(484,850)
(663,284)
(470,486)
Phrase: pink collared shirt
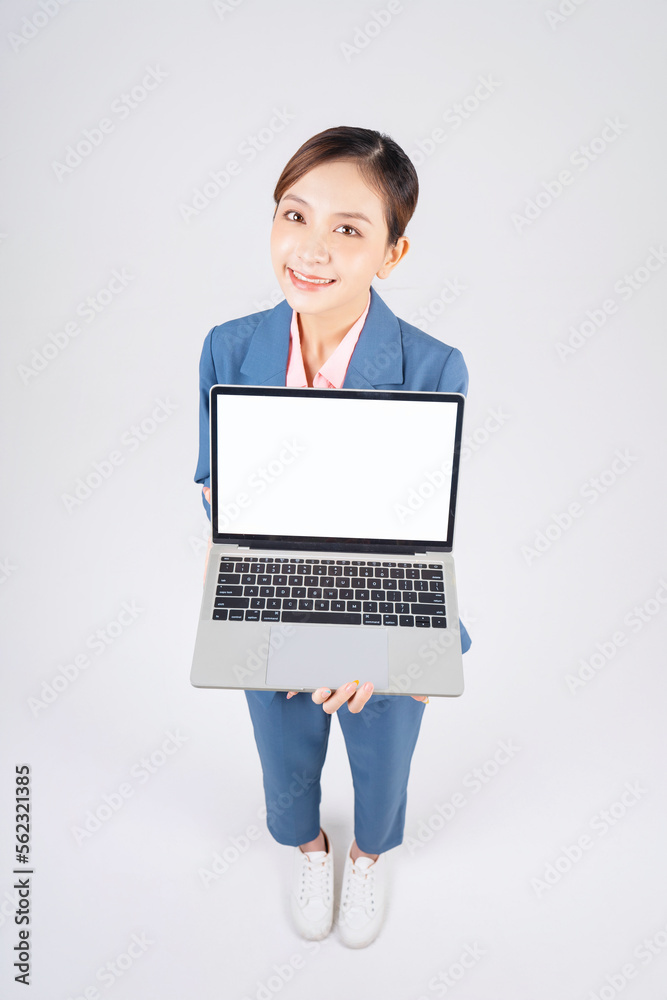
(332,373)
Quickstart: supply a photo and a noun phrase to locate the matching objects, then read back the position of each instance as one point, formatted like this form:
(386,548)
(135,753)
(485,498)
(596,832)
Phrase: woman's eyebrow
(341,215)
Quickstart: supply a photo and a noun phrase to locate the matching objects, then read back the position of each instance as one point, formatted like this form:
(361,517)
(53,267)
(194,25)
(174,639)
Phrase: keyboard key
(264,580)
(320,618)
(228,591)
(402,609)
(329,593)
(257,602)
(295,581)
(362,595)
(252,616)
(220,614)
(370,606)
(229,578)
(251,591)
(346,594)
(311,581)
(429,609)
(386,607)
(305,605)
(267,591)
(249,578)
(390,619)
(273,603)
(422,621)
(232,602)
(338,605)
(419,584)
(390,584)
(236,616)
(283,592)
(397,574)
(381,571)
(290,603)
(315,592)
(439,622)
(375,584)
(430,598)
(321,605)
(412,574)
(406,620)
(429,574)
(280,581)
(327,581)
(354,605)
(372,620)
(436,585)
(270,616)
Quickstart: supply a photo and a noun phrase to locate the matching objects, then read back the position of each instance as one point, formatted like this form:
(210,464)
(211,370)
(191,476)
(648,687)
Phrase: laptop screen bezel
(316,542)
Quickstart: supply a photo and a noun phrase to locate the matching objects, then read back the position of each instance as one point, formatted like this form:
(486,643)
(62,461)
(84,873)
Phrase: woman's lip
(315,277)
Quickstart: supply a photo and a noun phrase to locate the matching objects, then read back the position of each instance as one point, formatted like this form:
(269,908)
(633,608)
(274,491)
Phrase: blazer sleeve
(207,378)
(454,376)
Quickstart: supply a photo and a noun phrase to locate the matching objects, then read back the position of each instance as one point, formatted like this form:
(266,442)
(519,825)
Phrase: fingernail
(350,687)
(327,691)
(368,686)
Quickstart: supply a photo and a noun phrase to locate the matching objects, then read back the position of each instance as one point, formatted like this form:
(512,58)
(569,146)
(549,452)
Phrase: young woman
(343,202)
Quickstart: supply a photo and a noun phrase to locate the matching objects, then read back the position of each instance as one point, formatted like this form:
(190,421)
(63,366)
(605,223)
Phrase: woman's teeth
(313,281)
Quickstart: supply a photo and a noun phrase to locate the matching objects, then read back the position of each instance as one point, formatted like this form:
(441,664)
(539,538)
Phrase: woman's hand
(355,696)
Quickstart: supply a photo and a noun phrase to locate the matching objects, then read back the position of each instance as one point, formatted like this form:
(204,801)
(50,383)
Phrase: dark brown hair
(383,165)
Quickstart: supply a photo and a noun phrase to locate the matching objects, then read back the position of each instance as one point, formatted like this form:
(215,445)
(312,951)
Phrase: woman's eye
(350,228)
(290,211)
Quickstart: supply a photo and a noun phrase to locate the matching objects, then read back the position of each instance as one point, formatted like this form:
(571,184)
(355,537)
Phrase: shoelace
(314,880)
(360,889)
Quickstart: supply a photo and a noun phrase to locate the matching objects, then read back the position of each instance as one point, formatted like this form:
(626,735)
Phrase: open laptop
(332,517)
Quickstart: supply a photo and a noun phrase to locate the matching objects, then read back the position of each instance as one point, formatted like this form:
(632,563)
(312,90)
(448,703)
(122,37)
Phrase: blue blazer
(389,354)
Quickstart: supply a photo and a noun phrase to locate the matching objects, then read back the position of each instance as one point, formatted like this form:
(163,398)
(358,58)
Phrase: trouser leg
(380,741)
(292,738)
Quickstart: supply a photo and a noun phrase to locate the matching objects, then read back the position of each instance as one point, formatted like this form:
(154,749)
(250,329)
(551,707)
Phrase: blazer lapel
(377,358)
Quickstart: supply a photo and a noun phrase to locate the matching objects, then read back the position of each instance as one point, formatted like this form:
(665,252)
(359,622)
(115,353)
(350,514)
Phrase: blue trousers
(292,738)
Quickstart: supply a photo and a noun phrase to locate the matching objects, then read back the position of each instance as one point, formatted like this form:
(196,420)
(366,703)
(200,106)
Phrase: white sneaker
(312,896)
(362,901)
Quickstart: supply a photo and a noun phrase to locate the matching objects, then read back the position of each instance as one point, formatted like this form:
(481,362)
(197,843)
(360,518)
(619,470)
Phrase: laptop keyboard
(330,592)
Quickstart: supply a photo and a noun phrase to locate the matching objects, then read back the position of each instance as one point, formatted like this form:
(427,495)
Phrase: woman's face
(331,225)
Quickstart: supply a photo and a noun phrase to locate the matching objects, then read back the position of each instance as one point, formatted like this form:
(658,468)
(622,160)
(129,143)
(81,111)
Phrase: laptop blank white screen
(334,467)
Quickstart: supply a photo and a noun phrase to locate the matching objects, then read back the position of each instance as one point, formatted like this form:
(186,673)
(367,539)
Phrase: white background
(541,427)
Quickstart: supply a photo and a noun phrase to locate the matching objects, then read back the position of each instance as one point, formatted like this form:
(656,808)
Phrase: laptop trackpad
(315,656)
